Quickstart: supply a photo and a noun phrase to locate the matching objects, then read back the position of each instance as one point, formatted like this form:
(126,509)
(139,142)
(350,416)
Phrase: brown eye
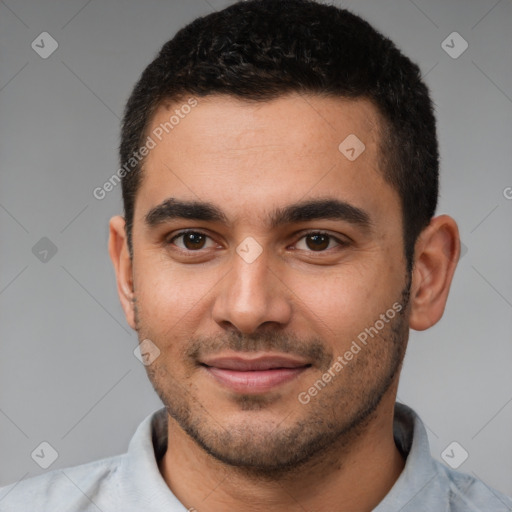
(191,240)
(319,242)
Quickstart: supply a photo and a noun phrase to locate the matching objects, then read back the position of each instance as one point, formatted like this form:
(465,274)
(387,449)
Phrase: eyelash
(341,243)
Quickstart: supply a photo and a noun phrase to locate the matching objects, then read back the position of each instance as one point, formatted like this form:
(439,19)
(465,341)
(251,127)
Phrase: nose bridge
(251,294)
(250,278)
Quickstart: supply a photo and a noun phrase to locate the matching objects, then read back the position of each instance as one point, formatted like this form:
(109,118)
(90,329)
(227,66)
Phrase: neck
(355,474)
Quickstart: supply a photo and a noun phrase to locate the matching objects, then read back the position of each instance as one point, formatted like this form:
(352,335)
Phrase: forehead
(309,123)
(226,150)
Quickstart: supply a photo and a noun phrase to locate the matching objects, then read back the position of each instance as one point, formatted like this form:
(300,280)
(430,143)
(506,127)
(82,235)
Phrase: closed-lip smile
(253,374)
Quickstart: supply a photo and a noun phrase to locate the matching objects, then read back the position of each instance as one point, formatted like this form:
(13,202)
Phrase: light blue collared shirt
(132,482)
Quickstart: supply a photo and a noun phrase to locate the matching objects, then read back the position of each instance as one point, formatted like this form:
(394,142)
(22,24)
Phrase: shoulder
(81,488)
(426,484)
(466,493)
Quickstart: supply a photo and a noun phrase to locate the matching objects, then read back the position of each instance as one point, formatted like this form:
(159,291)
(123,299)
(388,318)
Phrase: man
(280,178)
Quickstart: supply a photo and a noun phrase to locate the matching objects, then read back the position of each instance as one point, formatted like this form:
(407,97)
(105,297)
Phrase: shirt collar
(420,468)
(140,479)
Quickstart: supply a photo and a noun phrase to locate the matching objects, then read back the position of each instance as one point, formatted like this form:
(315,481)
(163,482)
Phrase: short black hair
(259,50)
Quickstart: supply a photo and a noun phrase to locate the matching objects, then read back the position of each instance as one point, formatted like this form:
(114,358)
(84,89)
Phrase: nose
(252,296)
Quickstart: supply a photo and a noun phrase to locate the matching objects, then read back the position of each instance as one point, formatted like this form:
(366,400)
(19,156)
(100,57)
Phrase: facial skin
(304,298)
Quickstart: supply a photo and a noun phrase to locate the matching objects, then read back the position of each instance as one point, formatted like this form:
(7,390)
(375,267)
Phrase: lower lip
(252,382)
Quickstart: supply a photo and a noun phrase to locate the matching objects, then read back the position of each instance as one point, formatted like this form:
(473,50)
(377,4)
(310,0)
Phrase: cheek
(169,299)
(342,305)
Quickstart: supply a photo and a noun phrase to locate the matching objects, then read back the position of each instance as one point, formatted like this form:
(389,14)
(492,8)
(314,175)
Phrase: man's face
(253,307)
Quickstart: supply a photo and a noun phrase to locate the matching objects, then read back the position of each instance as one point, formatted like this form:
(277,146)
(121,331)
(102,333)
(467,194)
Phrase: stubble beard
(332,421)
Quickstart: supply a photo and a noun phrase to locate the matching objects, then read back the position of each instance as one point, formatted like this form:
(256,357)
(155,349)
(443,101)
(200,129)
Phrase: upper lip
(260,362)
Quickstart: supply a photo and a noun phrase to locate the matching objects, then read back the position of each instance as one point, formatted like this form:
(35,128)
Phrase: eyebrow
(314,209)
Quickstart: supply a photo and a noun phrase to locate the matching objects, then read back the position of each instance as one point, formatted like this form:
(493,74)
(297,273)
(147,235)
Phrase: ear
(120,255)
(436,256)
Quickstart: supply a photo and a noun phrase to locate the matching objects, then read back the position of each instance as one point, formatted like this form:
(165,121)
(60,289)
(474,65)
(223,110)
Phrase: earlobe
(436,255)
(120,256)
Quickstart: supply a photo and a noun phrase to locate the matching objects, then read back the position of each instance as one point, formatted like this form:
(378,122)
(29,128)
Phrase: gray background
(68,375)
